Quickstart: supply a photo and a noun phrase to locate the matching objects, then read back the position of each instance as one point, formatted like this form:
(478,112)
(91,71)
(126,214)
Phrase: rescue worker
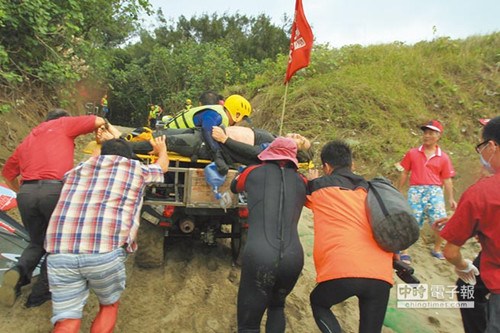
(189,104)
(235,109)
(273,257)
(348,261)
(154,111)
(104,106)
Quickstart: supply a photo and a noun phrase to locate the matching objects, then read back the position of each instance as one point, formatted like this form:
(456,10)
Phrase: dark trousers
(493,314)
(266,280)
(474,319)
(373,297)
(36,202)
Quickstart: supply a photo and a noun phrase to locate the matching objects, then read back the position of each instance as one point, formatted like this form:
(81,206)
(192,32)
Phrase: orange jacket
(344,246)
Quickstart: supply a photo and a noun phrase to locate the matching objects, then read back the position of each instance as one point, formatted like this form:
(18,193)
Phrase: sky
(365,22)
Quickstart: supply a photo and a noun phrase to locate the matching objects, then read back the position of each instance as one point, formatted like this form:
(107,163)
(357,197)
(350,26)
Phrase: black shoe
(10,289)
(35,300)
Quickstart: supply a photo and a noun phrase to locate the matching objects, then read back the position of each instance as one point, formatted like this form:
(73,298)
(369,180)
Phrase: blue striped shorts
(72,275)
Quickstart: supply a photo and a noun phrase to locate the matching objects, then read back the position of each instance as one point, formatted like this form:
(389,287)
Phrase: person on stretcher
(239,144)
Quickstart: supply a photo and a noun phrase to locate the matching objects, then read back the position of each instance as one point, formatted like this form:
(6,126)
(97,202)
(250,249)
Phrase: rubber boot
(105,320)
(67,326)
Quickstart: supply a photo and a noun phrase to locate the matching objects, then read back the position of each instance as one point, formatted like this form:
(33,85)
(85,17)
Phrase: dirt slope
(196,289)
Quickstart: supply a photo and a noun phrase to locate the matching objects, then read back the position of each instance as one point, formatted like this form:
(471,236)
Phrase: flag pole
(283,111)
(301,41)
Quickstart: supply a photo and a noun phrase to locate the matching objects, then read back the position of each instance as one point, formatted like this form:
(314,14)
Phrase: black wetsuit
(273,257)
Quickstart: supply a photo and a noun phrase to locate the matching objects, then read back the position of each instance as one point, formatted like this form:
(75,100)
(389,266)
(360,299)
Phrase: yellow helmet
(188,101)
(238,107)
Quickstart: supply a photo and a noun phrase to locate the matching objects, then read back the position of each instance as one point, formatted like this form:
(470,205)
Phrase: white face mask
(487,164)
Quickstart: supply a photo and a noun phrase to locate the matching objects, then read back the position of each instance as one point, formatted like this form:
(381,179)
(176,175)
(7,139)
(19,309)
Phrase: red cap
(280,149)
(433,125)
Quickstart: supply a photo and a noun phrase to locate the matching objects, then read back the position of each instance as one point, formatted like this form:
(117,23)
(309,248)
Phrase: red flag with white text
(301,42)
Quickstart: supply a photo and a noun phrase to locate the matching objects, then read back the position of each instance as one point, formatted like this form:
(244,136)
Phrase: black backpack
(393,224)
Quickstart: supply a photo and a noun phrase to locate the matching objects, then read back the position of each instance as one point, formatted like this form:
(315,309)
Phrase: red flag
(300,43)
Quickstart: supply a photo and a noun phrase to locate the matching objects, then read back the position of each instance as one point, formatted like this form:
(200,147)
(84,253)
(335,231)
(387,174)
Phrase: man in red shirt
(478,213)
(430,168)
(41,160)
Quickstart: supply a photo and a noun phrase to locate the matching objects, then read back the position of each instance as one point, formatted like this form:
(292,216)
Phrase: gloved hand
(468,275)
(221,164)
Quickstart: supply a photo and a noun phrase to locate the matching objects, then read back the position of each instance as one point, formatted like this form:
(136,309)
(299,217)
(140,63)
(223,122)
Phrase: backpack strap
(378,197)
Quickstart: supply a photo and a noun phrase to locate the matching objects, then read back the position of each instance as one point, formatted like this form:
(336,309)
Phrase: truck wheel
(150,240)
(238,240)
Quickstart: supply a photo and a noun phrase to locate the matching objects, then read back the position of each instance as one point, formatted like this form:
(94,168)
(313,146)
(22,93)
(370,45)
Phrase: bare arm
(13,184)
(454,256)
(99,122)
(403,179)
(107,132)
(160,148)
(448,189)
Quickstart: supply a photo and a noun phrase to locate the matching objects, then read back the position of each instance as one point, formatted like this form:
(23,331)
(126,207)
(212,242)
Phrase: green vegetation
(180,61)
(52,43)
(375,97)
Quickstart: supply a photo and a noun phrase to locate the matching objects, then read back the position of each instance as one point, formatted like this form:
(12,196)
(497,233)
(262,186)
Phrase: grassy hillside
(376,97)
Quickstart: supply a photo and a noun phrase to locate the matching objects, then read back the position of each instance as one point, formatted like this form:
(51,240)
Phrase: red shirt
(478,212)
(425,171)
(48,151)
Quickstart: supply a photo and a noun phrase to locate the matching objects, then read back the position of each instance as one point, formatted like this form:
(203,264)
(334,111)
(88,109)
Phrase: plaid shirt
(99,207)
